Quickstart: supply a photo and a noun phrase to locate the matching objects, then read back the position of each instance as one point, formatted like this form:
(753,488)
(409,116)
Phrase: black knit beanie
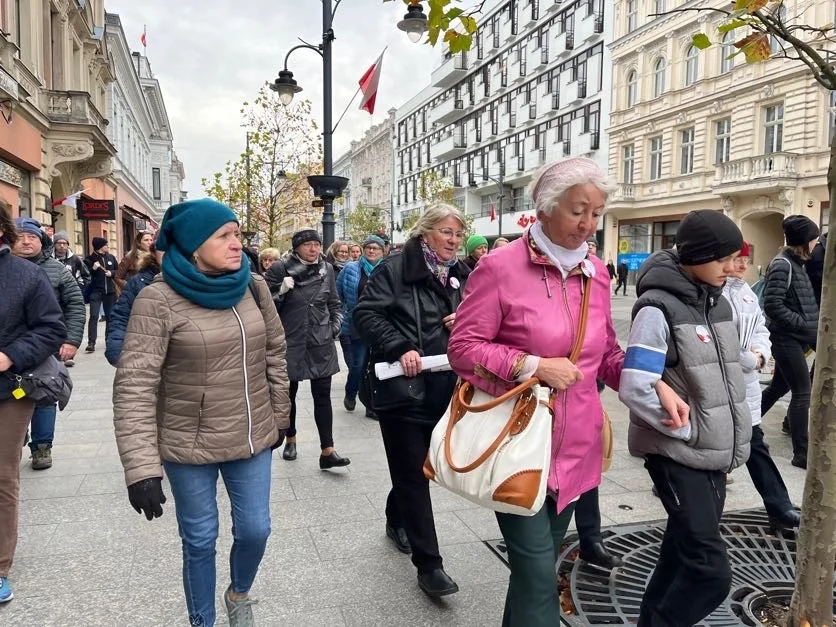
(304,236)
(799,230)
(705,236)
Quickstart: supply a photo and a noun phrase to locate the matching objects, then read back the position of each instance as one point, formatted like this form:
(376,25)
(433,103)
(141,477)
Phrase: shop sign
(633,260)
(8,84)
(90,209)
(624,246)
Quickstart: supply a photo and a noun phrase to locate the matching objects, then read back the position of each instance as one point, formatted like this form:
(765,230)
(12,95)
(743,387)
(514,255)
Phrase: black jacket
(79,269)
(311,314)
(790,303)
(815,267)
(99,281)
(385,319)
(121,313)
(31,322)
(623,271)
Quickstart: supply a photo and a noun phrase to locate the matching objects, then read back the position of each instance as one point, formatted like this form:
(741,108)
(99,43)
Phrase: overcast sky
(212,55)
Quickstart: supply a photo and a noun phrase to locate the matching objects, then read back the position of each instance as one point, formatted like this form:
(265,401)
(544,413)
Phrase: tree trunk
(812,602)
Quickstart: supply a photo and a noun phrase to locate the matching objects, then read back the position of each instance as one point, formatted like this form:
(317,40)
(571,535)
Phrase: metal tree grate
(762,563)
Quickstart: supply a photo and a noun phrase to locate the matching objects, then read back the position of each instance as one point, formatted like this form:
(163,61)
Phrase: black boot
(333,460)
(437,583)
(398,537)
(785,521)
(799,461)
(289,452)
(598,555)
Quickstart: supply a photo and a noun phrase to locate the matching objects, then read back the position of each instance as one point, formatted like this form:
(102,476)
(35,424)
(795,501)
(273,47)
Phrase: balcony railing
(774,165)
(73,107)
(625,191)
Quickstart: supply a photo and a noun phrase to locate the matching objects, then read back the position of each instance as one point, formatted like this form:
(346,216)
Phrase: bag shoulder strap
(254,291)
(417,306)
(575,354)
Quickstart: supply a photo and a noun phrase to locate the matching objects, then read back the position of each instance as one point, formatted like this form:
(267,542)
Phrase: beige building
(695,129)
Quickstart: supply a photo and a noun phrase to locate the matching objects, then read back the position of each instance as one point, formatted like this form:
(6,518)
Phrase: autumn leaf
(750,6)
(700,41)
(755,47)
(730,26)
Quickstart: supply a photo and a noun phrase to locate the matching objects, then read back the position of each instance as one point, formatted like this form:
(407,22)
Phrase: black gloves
(147,497)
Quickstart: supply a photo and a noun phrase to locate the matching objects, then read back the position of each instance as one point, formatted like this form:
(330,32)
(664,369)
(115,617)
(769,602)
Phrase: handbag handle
(517,391)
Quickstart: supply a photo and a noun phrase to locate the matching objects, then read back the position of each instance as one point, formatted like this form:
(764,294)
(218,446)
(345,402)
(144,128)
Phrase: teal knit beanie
(474,242)
(188,224)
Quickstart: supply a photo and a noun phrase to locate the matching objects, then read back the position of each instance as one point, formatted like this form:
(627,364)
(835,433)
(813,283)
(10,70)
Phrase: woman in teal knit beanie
(201,389)
(476,246)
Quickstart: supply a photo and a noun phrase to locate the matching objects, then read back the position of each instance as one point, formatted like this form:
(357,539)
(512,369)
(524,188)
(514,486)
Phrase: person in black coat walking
(622,272)
(63,253)
(31,329)
(102,288)
(305,293)
(407,311)
(789,303)
(34,244)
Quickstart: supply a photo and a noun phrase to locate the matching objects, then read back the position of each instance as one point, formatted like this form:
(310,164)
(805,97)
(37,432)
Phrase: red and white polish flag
(368,84)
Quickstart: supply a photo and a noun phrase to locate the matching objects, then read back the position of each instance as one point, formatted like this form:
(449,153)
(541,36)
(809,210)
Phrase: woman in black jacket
(305,293)
(406,311)
(789,303)
(31,329)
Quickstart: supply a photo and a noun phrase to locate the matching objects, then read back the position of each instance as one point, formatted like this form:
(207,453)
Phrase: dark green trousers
(533,544)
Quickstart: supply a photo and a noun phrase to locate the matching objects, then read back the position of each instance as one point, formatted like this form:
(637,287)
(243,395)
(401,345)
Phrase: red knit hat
(744,252)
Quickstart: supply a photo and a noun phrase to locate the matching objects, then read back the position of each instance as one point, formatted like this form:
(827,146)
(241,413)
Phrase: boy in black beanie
(683,333)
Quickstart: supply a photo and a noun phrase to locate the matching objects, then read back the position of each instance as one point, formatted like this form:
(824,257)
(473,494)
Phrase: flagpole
(353,98)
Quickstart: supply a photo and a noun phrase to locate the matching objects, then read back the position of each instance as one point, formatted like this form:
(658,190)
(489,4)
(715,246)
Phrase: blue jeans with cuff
(354,353)
(43,426)
(195,490)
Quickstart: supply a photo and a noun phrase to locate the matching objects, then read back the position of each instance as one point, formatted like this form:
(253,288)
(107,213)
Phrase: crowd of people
(211,340)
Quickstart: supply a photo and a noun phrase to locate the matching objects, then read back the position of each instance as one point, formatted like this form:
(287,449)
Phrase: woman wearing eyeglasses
(405,312)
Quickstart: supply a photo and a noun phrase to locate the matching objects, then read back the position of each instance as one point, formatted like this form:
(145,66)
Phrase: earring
(194,259)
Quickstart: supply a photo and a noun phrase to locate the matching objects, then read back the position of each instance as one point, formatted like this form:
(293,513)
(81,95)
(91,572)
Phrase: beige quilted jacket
(196,385)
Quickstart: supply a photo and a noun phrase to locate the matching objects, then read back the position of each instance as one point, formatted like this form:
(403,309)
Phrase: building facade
(530,91)
(58,137)
(130,130)
(368,167)
(700,130)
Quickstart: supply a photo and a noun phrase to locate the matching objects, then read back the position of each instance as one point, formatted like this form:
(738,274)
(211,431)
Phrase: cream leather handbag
(496,452)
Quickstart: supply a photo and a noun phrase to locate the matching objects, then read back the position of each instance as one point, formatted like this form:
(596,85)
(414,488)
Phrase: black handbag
(391,395)
(46,384)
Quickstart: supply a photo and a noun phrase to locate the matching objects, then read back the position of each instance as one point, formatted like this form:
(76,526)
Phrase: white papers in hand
(433,363)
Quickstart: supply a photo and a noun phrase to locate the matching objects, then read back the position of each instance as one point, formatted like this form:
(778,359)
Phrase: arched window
(692,64)
(659,70)
(726,52)
(632,88)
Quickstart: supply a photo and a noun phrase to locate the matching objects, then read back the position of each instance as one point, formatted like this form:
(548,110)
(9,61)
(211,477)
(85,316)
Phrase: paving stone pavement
(86,559)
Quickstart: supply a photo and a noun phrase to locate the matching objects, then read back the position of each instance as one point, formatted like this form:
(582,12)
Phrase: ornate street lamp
(414,23)
(327,186)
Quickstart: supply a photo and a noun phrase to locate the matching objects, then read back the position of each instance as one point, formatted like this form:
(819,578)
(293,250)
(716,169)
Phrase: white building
(167,171)
(530,91)
(368,166)
(697,129)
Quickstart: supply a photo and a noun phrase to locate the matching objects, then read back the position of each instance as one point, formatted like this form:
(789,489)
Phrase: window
(632,15)
(692,65)
(773,129)
(775,44)
(656,158)
(627,163)
(686,138)
(722,140)
(632,88)
(24,194)
(660,6)
(726,52)
(156,183)
(832,125)
(659,70)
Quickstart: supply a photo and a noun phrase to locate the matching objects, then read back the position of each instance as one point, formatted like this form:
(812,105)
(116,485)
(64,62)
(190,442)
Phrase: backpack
(760,285)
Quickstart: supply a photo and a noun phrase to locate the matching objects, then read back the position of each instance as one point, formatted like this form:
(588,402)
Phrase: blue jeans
(354,353)
(43,426)
(195,491)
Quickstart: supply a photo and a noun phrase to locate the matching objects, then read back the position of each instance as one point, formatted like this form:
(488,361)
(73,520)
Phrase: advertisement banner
(90,209)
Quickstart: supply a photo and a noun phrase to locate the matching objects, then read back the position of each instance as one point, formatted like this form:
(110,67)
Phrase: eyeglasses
(372,248)
(450,233)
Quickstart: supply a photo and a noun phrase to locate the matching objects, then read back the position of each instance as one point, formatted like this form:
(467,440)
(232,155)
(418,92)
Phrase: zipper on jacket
(708,302)
(200,409)
(246,383)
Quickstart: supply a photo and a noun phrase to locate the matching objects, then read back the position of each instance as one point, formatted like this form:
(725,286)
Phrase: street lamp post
(326,186)
(500,183)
